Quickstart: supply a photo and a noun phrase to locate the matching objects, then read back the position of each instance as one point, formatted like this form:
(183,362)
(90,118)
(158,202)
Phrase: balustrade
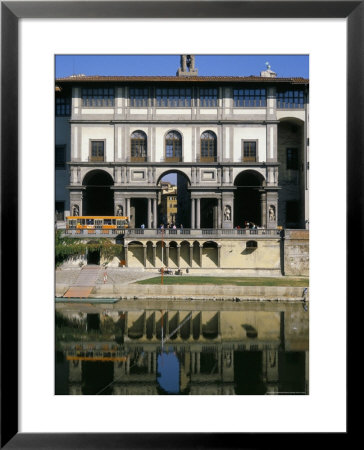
(171,232)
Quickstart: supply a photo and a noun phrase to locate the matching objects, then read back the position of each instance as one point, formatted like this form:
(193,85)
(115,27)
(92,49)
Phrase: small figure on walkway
(142,226)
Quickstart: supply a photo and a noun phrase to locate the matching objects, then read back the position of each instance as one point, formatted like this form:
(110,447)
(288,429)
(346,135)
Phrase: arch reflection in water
(240,352)
(168,372)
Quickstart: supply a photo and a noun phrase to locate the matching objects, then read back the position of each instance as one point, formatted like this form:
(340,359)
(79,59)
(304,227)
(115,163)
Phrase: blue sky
(218,65)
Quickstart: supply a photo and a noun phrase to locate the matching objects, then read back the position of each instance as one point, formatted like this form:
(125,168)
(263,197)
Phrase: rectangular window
(97,151)
(60,157)
(292,158)
(249,151)
(98,97)
(208,97)
(63,106)
(250,98)
(173,97)
(293,98)
(138,96)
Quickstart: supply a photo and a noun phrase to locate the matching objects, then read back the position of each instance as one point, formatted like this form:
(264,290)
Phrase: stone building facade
(238,146)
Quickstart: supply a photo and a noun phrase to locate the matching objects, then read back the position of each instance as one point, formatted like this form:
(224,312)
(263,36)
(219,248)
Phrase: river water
(245,349)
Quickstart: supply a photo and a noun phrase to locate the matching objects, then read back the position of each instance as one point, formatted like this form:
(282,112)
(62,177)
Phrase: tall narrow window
(208,146)
(97,151)
(138,146)
(249,151)
(173,146)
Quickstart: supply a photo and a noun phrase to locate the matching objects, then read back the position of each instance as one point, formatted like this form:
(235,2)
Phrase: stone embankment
(120,284)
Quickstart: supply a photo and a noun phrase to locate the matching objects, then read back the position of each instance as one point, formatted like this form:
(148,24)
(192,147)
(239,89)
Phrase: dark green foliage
(66,247)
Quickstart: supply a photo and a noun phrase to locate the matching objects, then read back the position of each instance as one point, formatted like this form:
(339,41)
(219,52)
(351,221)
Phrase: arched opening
(98,198)
(247,206)
(185,254)
(292,173)
(173,259)
(150,255)
(210,254)
(135,254)
(93,256)
(174,200)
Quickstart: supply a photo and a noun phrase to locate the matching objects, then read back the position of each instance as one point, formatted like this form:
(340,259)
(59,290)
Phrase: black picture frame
(11,12)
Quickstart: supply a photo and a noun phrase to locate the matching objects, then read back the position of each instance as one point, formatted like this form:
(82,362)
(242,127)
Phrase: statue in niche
(119,210)
(227,213)
(272,213)
(76,210)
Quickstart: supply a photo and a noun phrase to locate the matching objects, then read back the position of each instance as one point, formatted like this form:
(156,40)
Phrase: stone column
(219,213)
(149,213)
(198,213)
(178,255)
(128,207)
(191,255)
(155,218)
(218,255)
(167,255)
(193,360)
(144,255)
(126,255)
(198,359)
(154,254)
(201,255)
(263,208)
(192,213)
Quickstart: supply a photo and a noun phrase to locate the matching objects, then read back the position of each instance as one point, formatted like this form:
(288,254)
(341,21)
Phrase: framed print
(31,32)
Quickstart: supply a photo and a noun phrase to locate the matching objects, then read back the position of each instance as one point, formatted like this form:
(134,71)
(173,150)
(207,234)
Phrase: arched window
(173,146)
(138,146)
(208,146)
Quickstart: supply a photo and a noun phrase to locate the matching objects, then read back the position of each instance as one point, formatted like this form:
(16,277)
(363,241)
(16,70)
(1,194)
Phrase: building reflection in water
(182,352)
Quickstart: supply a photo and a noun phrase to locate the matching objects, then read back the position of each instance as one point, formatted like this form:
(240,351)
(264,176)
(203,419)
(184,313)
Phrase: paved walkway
(84,283)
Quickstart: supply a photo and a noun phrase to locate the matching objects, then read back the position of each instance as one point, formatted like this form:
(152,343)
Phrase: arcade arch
(98,198)
(174,199)
(247,204)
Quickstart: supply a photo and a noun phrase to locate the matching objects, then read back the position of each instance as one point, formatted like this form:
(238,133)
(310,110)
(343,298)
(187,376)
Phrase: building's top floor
(120,93)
